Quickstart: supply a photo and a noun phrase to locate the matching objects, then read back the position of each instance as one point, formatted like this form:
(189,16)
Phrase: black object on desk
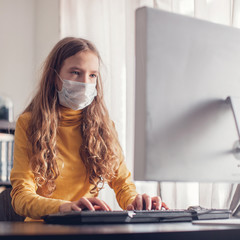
(142,216)
(6,210)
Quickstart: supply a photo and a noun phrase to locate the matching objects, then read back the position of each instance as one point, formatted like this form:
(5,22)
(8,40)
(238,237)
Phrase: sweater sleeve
(123,186)
(25,200)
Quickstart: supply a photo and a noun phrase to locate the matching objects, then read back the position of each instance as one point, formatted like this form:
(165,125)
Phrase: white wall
(28,31)
(47,28)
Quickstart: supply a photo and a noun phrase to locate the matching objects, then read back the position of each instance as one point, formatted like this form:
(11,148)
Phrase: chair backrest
(6,210)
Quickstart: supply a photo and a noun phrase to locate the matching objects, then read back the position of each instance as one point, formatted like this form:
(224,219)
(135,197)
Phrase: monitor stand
(235,106)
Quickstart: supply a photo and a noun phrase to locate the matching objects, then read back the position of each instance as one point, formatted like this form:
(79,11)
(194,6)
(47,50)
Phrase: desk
(163,231)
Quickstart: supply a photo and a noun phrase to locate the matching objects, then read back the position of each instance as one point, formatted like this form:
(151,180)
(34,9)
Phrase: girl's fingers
(130,207)
(138,202)
(85,203)
(98,208)
(100,203)
(157,202)
(164,205)
(74,207)
(147,202)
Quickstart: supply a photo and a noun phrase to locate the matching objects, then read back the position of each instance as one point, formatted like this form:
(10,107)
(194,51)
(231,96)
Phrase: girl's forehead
(86,59)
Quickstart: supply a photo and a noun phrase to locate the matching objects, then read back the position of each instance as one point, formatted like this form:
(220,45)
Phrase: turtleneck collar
(69,117)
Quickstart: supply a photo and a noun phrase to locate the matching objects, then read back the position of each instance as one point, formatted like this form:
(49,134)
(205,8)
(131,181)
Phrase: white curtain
(110,25)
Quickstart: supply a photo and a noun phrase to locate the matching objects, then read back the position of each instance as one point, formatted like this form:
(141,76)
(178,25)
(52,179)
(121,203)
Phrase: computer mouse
(196,208)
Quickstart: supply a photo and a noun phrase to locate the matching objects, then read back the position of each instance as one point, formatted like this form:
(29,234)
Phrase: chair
(6,210)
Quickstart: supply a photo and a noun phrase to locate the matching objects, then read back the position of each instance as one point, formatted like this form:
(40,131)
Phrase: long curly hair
(100,150)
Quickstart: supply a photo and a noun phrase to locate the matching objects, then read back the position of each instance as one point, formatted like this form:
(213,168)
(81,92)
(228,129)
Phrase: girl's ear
(58,84)
(57,81)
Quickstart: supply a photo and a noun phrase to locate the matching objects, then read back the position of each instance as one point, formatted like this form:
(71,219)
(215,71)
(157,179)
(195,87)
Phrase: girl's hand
(145,202)
(85,203)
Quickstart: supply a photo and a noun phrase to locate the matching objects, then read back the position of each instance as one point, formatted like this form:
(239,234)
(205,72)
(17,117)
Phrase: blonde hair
(100,150)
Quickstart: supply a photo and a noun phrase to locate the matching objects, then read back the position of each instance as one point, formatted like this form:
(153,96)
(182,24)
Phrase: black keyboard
(137,216)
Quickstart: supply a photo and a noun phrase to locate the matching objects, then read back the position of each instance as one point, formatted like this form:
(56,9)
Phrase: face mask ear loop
(58,75)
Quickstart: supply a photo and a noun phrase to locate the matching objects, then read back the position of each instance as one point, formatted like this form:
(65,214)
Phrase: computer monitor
(185,128)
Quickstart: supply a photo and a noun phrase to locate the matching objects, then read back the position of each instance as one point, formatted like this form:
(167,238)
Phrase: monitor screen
(184,128)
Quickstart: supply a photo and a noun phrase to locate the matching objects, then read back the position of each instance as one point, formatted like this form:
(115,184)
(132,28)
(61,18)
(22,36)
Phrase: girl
(66,146)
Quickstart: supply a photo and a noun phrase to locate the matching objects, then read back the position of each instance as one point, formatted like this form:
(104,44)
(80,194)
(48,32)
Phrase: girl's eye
(93,75)
(75,72)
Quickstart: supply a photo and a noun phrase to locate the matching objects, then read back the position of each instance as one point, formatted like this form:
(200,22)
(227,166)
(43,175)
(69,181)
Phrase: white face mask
(76,95)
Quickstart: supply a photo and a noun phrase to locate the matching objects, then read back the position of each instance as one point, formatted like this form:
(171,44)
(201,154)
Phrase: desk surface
(18,230)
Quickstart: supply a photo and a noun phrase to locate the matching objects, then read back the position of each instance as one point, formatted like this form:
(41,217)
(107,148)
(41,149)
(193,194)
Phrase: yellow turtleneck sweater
(72,184)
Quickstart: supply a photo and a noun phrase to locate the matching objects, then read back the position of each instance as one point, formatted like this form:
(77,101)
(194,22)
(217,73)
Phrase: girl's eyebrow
(93,71)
